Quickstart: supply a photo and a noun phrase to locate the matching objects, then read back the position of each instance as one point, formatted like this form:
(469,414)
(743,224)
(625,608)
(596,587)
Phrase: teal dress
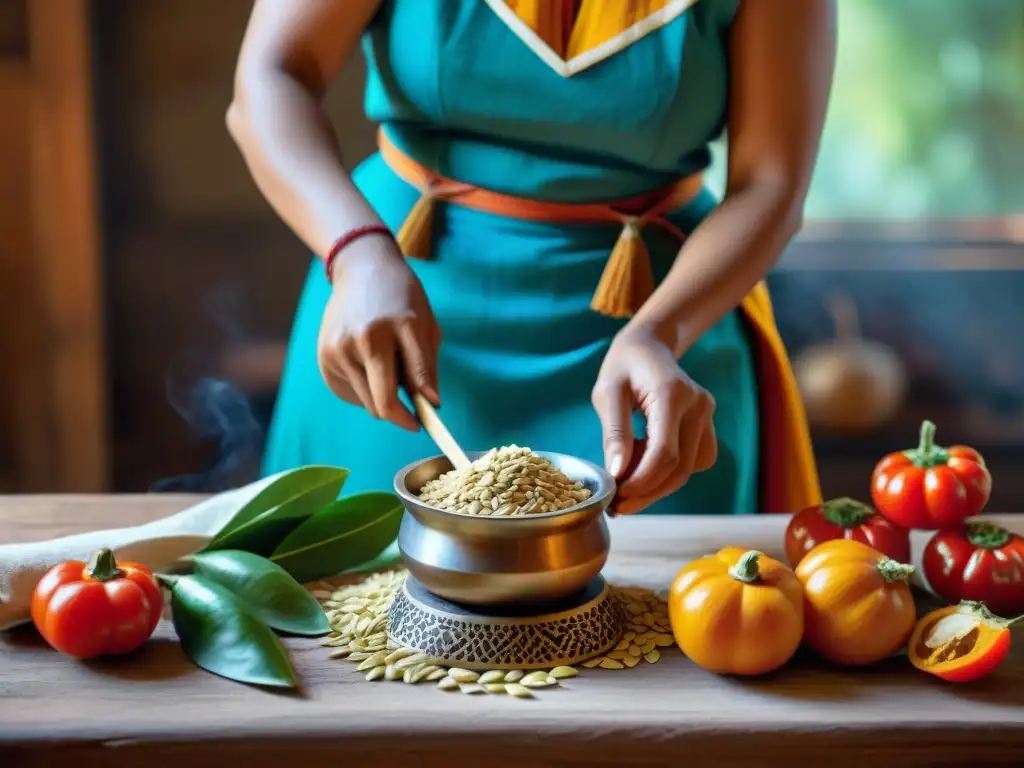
(458,91)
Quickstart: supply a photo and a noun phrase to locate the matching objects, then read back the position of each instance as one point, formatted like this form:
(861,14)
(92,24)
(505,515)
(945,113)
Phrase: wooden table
(157,709)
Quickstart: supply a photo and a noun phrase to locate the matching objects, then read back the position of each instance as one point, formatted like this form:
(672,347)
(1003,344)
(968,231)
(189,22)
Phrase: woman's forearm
(290,54)
(781,59)
(725,257)
(294,158)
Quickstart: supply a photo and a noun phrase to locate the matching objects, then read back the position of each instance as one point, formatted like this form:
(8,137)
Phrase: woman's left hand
(640,371)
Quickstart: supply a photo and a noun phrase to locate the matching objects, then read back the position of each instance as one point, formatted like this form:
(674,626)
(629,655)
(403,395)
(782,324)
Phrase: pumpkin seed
(493,676)
(610,664)
(631,661)
(507,481)
(514,676)
(519,691)
(397,654)
(460,675)
(375,674)
(560,673)
(420,674)
(664,640)
(411,661)
(652,657)
(447,684)
(373,661)
(471,689)
(495,687)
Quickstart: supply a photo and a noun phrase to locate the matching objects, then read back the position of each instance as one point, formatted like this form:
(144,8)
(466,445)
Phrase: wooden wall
(201,278)
(52,391)
(137,259)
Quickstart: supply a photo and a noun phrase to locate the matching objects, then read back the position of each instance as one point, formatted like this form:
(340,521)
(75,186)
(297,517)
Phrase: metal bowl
(485,560)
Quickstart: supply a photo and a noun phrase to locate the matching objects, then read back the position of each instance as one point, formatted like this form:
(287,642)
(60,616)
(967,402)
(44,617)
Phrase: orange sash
(789,476)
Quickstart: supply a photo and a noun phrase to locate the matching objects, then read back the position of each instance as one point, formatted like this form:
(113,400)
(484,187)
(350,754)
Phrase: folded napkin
(155,545)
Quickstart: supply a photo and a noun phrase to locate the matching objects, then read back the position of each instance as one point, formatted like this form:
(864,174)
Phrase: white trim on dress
(587,59)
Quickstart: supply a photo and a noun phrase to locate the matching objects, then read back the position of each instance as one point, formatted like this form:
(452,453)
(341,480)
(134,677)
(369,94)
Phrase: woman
(540,163)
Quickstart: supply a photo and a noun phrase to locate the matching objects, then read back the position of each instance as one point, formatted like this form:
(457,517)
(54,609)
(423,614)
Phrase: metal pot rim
(598,476)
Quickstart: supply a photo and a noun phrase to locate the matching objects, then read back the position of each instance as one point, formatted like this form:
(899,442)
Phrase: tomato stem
(746,568)
(847,513)
(103,566)
(982,612)
(986,535)
(927,454)
(893,571)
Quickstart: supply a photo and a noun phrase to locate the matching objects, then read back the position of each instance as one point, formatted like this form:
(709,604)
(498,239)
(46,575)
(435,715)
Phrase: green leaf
(280,508)
(266,589)
(224,637)
(344,534)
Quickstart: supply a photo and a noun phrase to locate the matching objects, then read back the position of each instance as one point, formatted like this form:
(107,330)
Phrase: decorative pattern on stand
(562,639)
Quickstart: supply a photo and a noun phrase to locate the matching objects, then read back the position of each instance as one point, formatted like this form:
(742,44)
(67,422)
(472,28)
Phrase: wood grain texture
(156,709)
(64,193)
(25,413)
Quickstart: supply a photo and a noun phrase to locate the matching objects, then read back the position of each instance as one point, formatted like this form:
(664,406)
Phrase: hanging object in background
(850,385)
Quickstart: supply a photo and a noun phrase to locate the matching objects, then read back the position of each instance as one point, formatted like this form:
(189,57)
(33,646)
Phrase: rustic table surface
(157,709)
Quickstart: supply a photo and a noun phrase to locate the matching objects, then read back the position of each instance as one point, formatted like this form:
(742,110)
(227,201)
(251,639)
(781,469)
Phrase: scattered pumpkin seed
(519,691)
(447,684)
(610,664)
(493,676)
(376,673)
(495,687)
(460,675)
(514,676)
(652,657)
(561,673)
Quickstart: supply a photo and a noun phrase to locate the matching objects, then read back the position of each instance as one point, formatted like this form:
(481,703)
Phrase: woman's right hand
(377,319)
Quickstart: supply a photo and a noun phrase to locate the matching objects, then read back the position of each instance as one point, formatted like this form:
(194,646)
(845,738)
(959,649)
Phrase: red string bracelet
(346,240)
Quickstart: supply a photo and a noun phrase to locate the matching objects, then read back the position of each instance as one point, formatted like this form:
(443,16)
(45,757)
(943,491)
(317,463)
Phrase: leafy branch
(246,585)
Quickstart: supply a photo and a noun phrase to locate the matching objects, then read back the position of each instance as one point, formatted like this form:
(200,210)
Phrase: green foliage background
(927,112)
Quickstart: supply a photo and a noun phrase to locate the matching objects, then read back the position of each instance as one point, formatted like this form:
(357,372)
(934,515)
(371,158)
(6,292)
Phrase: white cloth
(155,545)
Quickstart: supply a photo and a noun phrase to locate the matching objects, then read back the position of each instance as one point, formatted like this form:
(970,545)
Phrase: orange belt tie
(627,281)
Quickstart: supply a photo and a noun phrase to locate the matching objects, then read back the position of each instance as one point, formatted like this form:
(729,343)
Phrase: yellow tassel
(627,280)
(414,236)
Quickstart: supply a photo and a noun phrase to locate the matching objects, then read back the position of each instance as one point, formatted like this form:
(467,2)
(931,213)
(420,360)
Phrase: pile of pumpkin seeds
(358,614)
(505,482)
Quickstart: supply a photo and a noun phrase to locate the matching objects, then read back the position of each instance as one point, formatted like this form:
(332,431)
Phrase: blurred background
(146,290)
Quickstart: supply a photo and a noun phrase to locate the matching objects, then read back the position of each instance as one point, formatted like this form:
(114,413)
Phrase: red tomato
(101,608)
(981,562)
(931,487)
(844,519)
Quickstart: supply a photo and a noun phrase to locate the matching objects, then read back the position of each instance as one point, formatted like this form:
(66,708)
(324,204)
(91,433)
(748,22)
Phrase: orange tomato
(960,643)
(737,612)
(858,608)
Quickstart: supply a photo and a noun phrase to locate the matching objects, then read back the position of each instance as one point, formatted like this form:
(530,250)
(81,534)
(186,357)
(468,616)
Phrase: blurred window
(926,119)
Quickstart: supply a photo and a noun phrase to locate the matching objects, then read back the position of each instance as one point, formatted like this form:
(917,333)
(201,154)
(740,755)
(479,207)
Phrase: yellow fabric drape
(597,22)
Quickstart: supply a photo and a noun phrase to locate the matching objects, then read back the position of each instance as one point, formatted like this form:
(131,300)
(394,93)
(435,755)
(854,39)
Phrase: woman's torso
(476,103)
(459,92)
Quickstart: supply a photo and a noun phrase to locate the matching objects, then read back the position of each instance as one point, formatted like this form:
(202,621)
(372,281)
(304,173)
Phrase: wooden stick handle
(438,431)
